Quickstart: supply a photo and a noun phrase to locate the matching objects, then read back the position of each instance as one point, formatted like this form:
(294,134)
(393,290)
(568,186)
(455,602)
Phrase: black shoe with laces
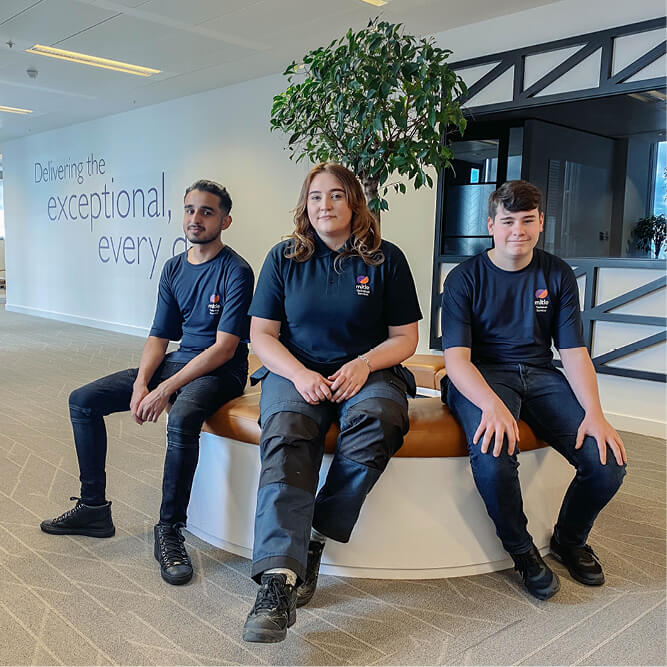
(538,579)
(582,562)
(273,612)
(305,592)
(169,551)
(94,521)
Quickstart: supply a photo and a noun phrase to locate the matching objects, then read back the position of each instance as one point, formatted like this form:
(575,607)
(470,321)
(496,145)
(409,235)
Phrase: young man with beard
(203,300)
(501,310)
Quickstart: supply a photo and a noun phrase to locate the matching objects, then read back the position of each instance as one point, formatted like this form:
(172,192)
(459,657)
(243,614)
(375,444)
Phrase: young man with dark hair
(203,300)
(501,310)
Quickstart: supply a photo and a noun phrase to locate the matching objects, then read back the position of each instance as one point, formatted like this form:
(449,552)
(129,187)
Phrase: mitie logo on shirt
(214,304)
(541,300)
(363,288)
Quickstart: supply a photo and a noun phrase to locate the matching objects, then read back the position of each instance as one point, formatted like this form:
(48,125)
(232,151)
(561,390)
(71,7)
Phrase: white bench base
(423,520)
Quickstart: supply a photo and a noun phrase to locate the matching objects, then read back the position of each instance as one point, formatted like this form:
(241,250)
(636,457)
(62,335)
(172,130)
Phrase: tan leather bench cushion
(425,368)
(433,430)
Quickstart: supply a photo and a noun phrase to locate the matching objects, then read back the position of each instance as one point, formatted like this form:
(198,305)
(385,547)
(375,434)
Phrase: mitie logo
(362,286)
(541,300)
(214,304)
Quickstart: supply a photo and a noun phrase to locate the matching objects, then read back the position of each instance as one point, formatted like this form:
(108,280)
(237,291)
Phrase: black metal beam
(564,67)
(590,43)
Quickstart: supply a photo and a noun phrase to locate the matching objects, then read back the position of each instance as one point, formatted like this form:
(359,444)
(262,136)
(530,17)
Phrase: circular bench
(424,518)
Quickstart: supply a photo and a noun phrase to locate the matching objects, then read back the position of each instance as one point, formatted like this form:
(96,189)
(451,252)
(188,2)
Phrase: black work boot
(582,562)
(538,579)
(273,612)
(169,551)
(305,592)
(94,521)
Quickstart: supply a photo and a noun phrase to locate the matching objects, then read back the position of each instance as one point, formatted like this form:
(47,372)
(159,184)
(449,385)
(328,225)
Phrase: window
(2,211)
(660,180)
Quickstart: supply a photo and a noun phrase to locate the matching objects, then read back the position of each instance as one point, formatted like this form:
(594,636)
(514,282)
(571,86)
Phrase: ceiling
(198,45)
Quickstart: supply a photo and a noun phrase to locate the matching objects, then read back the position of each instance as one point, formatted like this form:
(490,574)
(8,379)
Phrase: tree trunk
(370,185)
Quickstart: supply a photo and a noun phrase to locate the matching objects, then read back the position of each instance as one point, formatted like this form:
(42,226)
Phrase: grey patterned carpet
(81,601)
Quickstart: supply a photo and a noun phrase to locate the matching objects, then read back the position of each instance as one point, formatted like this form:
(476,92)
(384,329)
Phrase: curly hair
(365,237)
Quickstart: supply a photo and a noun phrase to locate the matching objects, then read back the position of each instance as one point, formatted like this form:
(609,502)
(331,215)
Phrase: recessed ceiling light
(377,3)
(15,110)
(93,61)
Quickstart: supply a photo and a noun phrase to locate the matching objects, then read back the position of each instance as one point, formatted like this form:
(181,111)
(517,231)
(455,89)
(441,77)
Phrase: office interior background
(80,292)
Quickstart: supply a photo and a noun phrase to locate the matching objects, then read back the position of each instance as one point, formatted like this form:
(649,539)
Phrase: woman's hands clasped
(349,379)
(343,384)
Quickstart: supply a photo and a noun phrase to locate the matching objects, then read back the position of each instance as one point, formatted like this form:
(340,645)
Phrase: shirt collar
(322,250)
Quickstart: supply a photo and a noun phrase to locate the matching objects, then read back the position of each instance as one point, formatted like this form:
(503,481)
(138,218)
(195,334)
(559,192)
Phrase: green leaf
(378,100)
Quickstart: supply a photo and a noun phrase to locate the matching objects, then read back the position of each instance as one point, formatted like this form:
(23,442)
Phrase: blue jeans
(372,426)
(192,405)
(542,397)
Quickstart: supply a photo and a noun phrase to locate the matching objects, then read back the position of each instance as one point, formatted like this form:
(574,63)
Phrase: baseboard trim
(641,425)
(118,327)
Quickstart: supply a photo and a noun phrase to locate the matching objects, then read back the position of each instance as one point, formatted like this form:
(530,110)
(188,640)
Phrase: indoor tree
(378,101)
(649,233)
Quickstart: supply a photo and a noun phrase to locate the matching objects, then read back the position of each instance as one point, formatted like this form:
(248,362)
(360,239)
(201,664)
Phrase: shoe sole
(545,594)
(266,636)
(575,575)
(102,532)
(174,580)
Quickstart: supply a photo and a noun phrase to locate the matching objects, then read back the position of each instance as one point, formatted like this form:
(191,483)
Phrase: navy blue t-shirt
(329,313)
(195,301)
(511,316)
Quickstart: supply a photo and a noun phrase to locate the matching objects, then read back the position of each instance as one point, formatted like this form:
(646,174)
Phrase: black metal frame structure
(527,97)
(609,84)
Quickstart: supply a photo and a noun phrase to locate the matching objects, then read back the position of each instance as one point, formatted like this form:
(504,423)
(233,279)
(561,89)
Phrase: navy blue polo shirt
(331,313)
(195,301)
(512,316)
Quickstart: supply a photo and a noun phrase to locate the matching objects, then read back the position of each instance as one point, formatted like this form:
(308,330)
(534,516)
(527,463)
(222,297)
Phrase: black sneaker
(538,579)
(305,592)
(169,551)
(82,520)
(582,562)
(273,612)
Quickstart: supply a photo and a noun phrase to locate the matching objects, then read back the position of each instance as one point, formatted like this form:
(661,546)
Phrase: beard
(201,240)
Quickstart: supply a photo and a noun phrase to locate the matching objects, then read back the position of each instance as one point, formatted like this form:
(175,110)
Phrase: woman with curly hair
(334,314)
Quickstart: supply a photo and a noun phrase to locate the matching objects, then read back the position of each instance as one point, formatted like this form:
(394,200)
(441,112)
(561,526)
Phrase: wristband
(365,360)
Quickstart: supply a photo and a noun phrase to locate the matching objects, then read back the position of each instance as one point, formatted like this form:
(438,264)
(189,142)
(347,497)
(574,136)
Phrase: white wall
(54,267)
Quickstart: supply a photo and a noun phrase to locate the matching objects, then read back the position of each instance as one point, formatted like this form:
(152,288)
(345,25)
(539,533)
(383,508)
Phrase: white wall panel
(499,90)
(584,75)
(656,69)
(535,67)
(611,283)
(630,47)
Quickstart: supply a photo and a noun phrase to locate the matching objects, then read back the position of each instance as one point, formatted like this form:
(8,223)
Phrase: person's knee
(493,468)
(291,451)
(372,431)
(80,400)
(605,478)
(185,420)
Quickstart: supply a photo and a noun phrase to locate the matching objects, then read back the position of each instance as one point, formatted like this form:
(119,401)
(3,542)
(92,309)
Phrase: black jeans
(191,406)
(543,398)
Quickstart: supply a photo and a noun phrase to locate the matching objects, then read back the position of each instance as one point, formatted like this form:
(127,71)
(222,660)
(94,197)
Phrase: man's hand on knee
(605,435)
(153,404)
(496,423)
(138,394)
